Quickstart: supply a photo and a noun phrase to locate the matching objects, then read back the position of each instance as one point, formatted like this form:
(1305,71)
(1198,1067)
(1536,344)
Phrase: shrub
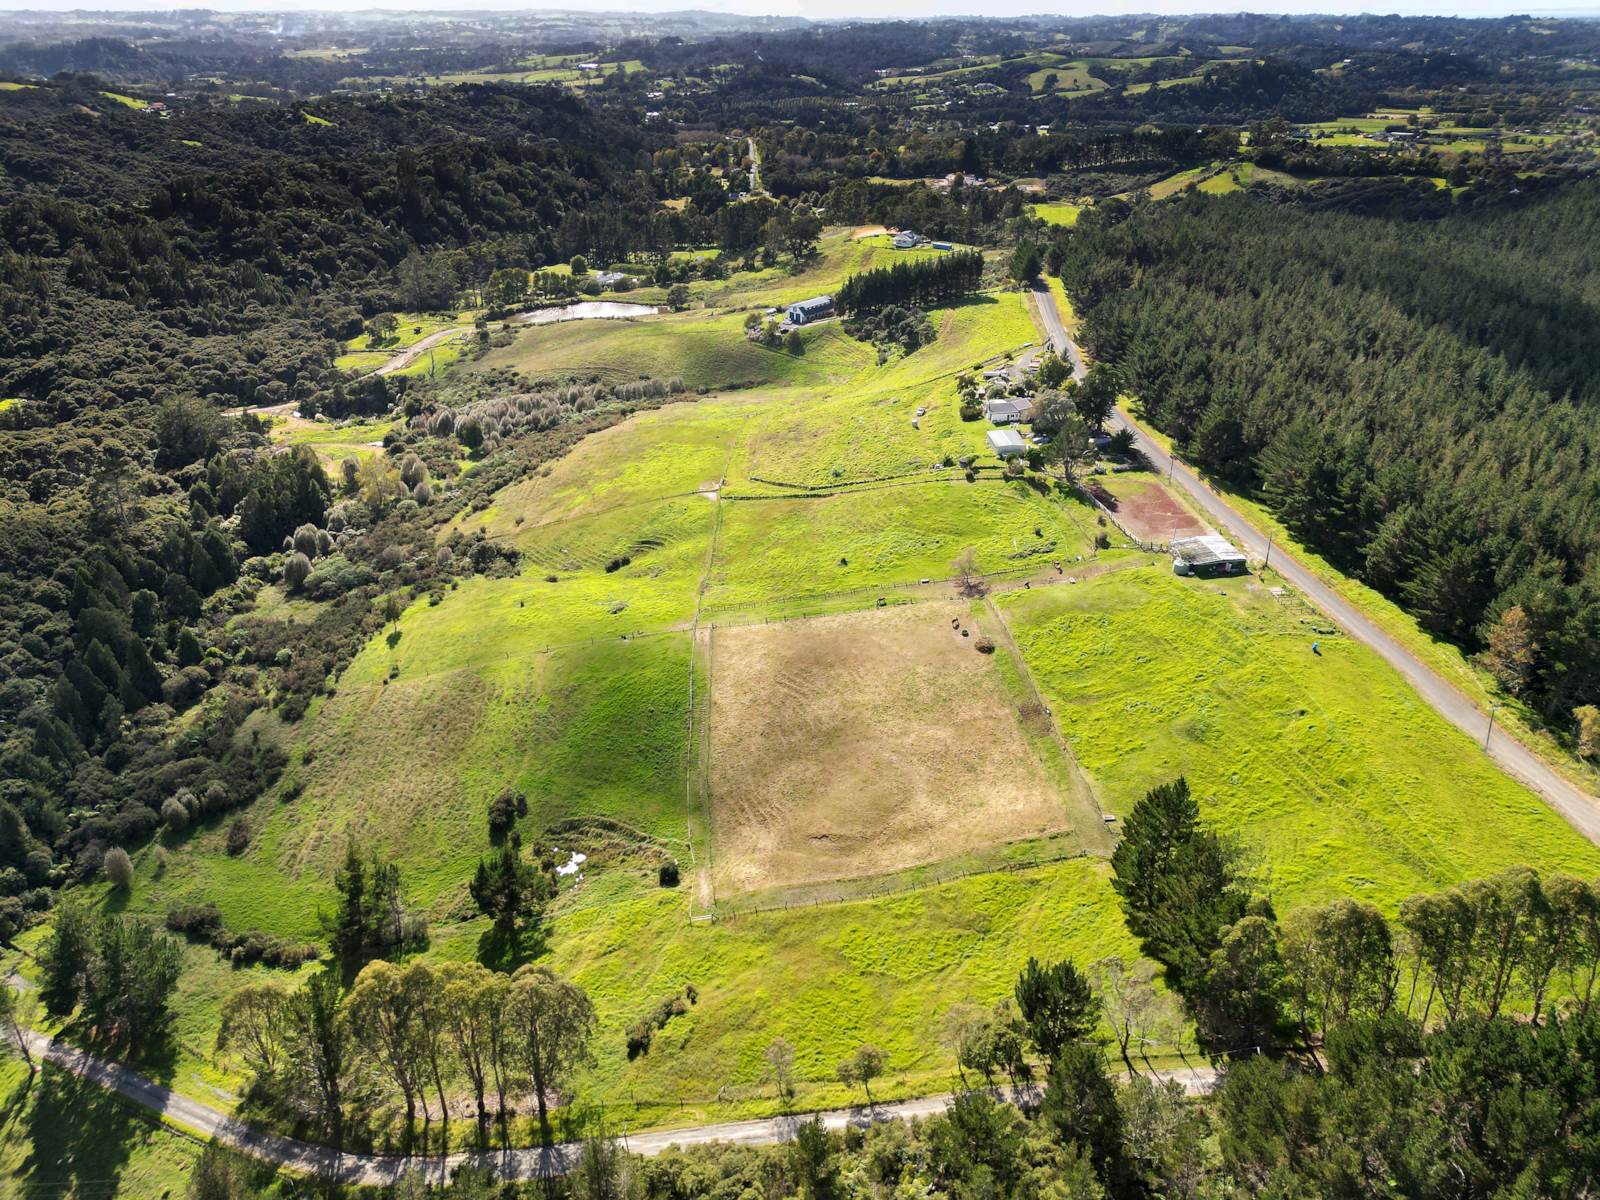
(616,564)
(295,570)
(238,836)
(504,810)
(184,688)
(668,874)
(985,644)
(334,576)
(305,540)
(174,815)
(643,1031)
(203,923)
(119,868)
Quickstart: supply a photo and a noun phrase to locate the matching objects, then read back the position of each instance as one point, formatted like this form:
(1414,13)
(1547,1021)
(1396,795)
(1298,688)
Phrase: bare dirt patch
(864,743)
(1146,509)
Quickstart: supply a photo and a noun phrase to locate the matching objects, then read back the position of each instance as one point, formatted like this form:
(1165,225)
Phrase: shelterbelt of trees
(1416,400)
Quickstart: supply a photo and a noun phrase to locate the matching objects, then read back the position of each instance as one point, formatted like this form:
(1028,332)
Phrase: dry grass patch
(864,743)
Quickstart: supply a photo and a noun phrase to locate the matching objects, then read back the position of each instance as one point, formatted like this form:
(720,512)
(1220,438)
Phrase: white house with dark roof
(814,309)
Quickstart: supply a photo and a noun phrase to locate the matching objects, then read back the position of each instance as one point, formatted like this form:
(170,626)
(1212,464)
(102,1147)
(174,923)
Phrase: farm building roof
(1207,550)
(1006,441)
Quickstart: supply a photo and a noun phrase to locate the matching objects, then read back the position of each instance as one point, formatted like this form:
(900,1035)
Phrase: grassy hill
(597,681)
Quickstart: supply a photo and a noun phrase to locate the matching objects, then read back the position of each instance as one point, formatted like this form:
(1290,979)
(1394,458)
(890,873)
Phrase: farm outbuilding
(814,309)
(1208,554)
(1007,443)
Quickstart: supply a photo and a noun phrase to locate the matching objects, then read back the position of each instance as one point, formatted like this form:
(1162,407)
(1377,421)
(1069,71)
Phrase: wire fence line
(1111,515)
(847,891)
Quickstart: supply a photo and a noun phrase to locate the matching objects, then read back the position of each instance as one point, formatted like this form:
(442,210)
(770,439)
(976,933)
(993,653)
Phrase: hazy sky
(835,9)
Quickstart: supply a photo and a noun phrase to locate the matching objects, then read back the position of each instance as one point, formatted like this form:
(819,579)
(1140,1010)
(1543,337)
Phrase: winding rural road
(531,1163)
(416,350)
(1580,808)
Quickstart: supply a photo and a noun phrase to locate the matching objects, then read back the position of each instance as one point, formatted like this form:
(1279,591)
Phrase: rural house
(907,239)
(1004,410)
(814,309)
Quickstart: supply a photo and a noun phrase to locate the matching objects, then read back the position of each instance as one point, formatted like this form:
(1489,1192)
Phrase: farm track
(416,350)
(384,1170)
(1580,808)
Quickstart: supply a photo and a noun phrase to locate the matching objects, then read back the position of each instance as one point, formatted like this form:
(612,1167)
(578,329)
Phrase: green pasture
(332,441)
(361,362)
(1348,125)
(133,102)
(774,551)
(1057,213)
(434,361)
(1349,140)
(1173,184)
(1071,76)
(1337,777)
(705,351)
(1236,176)
(826,979)
(864,431)
(1443,657)
(411,328)
(668,451)
(1137,89)
(839,255)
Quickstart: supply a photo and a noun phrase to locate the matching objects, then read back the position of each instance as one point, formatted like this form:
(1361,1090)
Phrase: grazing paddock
(866,431)
(703,350)
(1057,213)
(773,551)
(668,451)
(1337,778)
(864,743)
(333,441)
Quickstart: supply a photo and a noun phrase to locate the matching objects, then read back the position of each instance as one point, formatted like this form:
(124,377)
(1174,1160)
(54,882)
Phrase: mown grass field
(838,748)
(1339,779)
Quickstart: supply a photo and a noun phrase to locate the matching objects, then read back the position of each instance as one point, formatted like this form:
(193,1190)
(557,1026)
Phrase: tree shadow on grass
(80,1136)
(505,953)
